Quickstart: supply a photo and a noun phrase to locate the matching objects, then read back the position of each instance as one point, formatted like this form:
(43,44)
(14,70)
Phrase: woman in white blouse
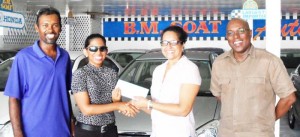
(175,85)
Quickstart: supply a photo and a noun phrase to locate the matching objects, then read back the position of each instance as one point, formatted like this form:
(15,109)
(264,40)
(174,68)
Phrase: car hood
(4,113)
(204,111)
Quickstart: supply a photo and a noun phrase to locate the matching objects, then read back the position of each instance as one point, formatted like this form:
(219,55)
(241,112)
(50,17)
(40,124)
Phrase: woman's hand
(116,95)
(128,109)
(140,102)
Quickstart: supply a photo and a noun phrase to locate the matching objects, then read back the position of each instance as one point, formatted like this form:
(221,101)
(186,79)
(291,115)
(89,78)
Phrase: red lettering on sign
(292,27)
(215,28)
(203,27)
(187,24)
(129,28)
(153,28)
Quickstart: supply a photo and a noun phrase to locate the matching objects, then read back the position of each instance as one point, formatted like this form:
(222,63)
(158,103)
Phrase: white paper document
(131,90)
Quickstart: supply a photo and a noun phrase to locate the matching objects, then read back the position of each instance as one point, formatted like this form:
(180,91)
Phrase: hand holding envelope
(130,90)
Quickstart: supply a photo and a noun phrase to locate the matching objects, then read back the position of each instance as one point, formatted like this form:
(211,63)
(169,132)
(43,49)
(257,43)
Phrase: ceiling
(152,7)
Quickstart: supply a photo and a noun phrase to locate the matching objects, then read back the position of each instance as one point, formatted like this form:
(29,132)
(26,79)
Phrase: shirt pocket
(255,85)
(225,84)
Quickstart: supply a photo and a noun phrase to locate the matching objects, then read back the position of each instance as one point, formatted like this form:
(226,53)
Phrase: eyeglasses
(96,48)
(240,31)
(172,43)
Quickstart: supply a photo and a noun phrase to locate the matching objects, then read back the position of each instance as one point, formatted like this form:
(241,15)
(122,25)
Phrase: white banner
(11,19)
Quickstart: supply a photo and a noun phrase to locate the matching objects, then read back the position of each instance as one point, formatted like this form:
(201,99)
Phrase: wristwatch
(150,104)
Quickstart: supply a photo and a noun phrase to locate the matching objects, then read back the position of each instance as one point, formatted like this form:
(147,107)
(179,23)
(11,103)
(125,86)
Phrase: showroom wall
(143,31)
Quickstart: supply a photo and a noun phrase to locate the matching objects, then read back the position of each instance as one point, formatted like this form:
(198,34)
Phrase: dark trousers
(112,132)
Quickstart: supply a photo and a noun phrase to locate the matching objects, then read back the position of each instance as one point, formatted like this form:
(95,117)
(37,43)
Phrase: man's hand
(284,104)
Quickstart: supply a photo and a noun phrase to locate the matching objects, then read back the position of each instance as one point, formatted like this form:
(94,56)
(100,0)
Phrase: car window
(290,60)
(4,71)
(140,72)
(6,55)
(124,58)
(205,72)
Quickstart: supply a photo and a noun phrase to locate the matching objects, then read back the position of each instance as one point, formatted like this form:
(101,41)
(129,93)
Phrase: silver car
(294,111)
(206,108)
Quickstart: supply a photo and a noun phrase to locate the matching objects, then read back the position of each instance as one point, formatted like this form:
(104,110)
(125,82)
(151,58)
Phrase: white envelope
(131,90)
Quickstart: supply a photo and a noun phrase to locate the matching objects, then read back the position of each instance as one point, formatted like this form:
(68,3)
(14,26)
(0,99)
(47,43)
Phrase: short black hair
(47,11)
(93,36)
(182,35)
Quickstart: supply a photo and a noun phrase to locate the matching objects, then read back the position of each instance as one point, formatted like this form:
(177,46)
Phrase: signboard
(11,19)
(249,14)
(196,28)
(6,5)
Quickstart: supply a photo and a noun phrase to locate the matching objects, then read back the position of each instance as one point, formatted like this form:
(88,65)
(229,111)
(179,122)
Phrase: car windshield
(124,58)
(140,73)
(6,55)
(4,71)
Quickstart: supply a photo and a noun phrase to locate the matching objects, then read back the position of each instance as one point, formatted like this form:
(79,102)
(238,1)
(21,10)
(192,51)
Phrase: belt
(101,129)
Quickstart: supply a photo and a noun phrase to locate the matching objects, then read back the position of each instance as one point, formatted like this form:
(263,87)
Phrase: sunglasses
(96,48)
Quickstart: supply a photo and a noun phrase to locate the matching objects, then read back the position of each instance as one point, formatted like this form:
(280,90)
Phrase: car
(294,111)
(5,125)
(290,58)
(206,107)
(124,56)
(5,54)
(219,51)
(78,60)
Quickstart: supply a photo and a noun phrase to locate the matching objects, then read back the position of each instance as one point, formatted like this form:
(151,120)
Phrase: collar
(37,49)
(89,65)
(251,53)
(183,57)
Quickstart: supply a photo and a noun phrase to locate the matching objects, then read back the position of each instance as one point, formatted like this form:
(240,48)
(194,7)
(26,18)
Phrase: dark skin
(241,44)
(49,29)
(15,117)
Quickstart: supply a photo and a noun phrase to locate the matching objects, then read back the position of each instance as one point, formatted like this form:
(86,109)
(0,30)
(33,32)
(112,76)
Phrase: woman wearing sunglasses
(94,91)
(175,85)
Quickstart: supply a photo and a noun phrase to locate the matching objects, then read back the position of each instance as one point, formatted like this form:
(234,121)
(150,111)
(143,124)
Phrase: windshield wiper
(143,134)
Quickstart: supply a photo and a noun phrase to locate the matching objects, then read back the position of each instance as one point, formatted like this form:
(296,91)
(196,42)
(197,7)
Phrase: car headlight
(208,130)
(6,130)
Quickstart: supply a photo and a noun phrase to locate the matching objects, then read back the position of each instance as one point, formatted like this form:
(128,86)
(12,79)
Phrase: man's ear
(85,52)
(36,28)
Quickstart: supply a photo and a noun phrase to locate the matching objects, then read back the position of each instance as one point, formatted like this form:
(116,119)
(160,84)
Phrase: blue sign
(199,28)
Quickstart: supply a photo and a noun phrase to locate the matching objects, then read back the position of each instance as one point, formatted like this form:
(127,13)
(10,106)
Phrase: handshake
(131,108)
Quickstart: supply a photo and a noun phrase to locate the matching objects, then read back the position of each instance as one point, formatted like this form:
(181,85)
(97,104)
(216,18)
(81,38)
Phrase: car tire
(291,118)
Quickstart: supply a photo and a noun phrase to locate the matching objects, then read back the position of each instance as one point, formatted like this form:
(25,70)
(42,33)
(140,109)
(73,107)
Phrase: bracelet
(149,104)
